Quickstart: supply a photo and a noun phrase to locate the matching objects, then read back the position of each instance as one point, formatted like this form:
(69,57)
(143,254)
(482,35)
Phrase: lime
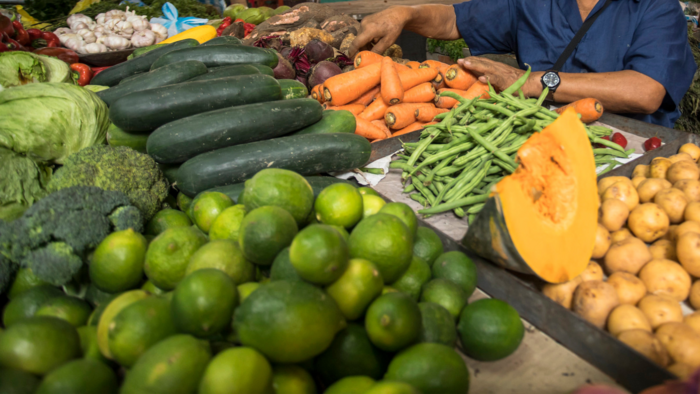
(80,376)
(240,370)
(427,245)
(71,309)
(411,281)
(351,385)
(281,188)
(226,256)
(288,321)
(24,280)
(391,387)
(351,353)
(490,329)
(265,232)
(282,268)
(117,264)
(432,368)
(388,289)
(359,285)
(174,365)
(97,297)
(137,327)
(228,223)
(88,343)
(339,204)
(319,254)
(110,312)
(165,219)
(27,303)
(97,312)
(245,289)
(292,379)
(13,381)
(384,240)
(403,212)
(203,302)
(206,207)
(459,269)
(183,202)
(367,191)
(438,324)
(393,321)
(169,254)
(151,288)
(38,344)
(447,294)
(343,232)
(371,204)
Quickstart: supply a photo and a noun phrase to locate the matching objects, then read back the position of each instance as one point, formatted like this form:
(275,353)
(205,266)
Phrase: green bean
(444,163)
(439,185)
(475,208)
(423,190)
(493,149)
(608,168)
(459,212)
(454,204)
(471,218)
(600,130)
(409,188)
(526,127)
(420,199)
(521,95)
(375,171)
(397,164)
(469,170)
(596,140)
(455,96)
(421,147)
(504,165)
(613,152)
(466,189)
(518,84)
(494,108)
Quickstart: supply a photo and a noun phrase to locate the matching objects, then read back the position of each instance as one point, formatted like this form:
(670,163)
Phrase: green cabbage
(233,10)
(95,88)
(56,69)
(49,121)
(20,68)
(252,15)
(23,183)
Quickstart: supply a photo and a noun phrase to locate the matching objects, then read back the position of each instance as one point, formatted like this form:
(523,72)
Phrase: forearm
(433,21)
(624,91)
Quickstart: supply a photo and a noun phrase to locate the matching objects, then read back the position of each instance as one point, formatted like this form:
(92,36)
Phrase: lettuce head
(24,182)
(20,68)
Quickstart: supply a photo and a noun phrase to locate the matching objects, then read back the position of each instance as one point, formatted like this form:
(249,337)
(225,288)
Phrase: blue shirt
(647,36)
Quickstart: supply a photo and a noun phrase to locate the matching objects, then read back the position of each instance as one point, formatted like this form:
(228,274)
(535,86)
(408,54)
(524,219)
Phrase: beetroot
(322,71)
(284,69)
(285,51)
(299,61)
(317,51)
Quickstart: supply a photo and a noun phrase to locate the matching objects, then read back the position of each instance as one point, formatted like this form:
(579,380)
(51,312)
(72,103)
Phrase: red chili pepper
(65,54)
(249,27)
(652,143)
(619,139)
(34,34)
(97,70)
(224,24)
(6,26)
(3,47)
(12,45)
(52,40)
(84,73)
(21,35)
(239,20)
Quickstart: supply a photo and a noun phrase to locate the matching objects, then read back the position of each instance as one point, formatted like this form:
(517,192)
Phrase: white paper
(364,178)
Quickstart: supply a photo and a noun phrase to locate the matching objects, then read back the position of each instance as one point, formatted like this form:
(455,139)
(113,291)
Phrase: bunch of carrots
(390,99)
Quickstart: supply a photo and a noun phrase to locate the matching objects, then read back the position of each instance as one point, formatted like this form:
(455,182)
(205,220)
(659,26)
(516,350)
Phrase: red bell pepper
(34,34)
(97,70)
(224,24)
(65,54)
(52,40)
(3,47)
(12,45)
(6,26)
(84,73)
(249,27)
(21,35)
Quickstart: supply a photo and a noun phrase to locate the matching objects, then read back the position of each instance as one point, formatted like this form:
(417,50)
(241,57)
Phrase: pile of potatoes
(648,244)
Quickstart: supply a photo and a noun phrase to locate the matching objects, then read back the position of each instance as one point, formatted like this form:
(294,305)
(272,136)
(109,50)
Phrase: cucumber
(227,71)
(305,154)
(263,69)
(131,77)
(223,40)
(143,50)
(168,75)
(220,55)
(340,121)
(292,89)
(317,183)
(118,137)
(147,110)
(169,171)
(183,139)
(116,73)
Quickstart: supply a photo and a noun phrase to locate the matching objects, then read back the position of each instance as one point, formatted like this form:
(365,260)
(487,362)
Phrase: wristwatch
(551,80)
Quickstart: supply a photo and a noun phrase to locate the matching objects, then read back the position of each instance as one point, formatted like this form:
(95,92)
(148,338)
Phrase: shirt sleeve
(660,49)
(487,26)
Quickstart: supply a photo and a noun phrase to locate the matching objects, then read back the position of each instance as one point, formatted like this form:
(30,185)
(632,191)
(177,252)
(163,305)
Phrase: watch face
(551,79)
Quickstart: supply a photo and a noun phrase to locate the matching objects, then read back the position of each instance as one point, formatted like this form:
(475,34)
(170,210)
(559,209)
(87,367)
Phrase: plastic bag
(174,24)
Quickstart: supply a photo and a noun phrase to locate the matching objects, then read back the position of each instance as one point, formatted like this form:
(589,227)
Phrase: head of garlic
(87,35)
(115,14)
(72,41)
(95,48)
(139,23)
(116,43)
(160,31)
(76,19)
(111,25)
(143,38)
(79,26)
(62,30)
(100,19)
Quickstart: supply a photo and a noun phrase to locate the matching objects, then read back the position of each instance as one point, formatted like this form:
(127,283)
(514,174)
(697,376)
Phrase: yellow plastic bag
(81,5)
(29,21)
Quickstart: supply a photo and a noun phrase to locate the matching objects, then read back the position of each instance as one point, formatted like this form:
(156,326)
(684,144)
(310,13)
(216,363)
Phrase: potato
(641,171)
(694,298)
(648,189)
(619,235)
(681,370)
(648,222)
(671,233)
(682,156)
(689,187)
(593,271)
(692,212)
(624,192)
(605,183)
(613,214)
(646,343)
(637,180)
(663,249)
(665,277)
(689,226)
(691,149)
(673,202)
(627,317)
(594,300)
(628,255)
(602,242)
(688,251)
(681,170)
(562,293)
(693,320)
(658,167)
(681,342)
(630,289)
(660,309)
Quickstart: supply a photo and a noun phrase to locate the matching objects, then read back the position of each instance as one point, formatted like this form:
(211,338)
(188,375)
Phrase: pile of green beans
(458,160)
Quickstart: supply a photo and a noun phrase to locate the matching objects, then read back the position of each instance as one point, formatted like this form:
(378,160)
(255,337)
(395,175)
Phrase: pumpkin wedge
(542,219)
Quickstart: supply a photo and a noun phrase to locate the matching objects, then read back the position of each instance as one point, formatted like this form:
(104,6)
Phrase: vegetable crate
(598,347)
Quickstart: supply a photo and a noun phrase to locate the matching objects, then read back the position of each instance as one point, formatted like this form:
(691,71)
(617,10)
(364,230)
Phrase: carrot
(400,66)
(354,108)
(426,114)
(382,126)
(439,81)
(458,78)
(367,98)
(402,115)
(434,64)
(344,88)
(478,89)
(317,93)
(412,64)
(412,127)
(412,78)
(448,102)
(376,110)
(590,109)
(423,93)
(365,58)
(367,129)
(391,88)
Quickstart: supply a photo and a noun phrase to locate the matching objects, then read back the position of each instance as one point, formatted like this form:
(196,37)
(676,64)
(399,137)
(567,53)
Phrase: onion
(317,50)
(284,69)
(322,71)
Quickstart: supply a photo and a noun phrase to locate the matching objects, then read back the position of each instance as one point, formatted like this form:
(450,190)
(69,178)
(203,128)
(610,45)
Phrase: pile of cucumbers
(215,111)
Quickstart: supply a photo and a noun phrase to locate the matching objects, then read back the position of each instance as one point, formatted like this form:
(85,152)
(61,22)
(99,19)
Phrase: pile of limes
(284,292)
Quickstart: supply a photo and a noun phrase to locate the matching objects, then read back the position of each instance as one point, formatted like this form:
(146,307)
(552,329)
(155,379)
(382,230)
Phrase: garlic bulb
(87,35)
(100,19)
(115,14)
(124,29)
(99,29)
(160,31)
(95,48)
(79,26)
(62,30)
(74,20)
(116,43)
(143,38)
(111,24)
(99,34)
(72,41)
(138,23)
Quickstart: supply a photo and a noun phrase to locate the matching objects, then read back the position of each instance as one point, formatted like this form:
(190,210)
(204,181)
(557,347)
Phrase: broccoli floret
(7,273)
(117,168)
(55,235)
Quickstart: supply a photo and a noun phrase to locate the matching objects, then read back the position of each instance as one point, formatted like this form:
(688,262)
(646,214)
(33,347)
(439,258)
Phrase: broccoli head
(55,235)
(117,168)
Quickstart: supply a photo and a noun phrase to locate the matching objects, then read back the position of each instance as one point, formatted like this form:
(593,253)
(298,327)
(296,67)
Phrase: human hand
(500,75)
(382,28)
